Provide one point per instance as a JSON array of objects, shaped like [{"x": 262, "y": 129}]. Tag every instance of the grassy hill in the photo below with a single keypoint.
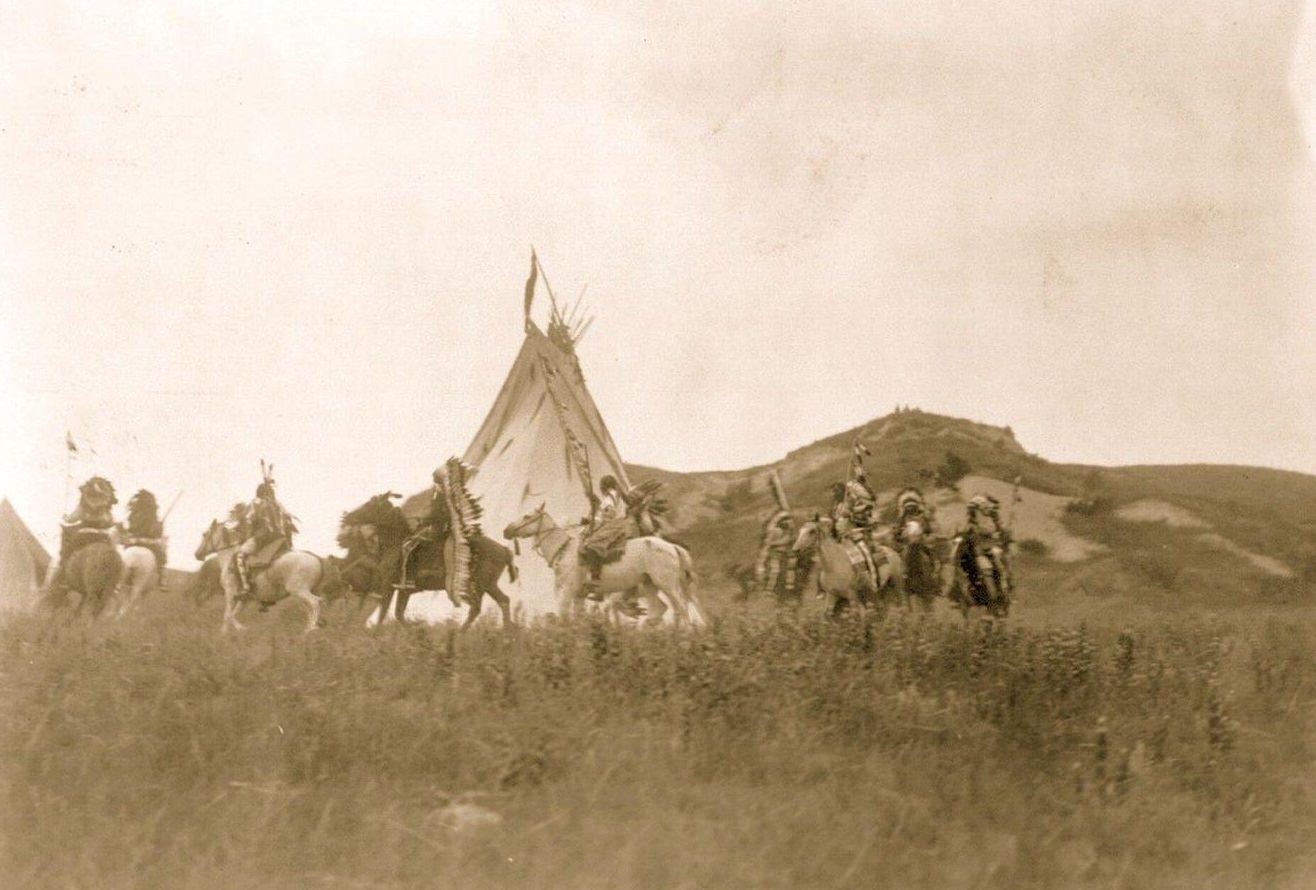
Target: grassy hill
[{"x": 1234, "y": 535}]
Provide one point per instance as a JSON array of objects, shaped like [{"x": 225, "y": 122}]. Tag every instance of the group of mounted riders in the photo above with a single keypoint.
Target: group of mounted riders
[
  {"x": 389, "y": 557},
  {"x": 97, "y": 553},
  {"x": 978, "y": 553}
]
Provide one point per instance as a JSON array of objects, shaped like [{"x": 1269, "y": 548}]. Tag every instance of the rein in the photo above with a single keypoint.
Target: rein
[{"x": 541, "y": 537}]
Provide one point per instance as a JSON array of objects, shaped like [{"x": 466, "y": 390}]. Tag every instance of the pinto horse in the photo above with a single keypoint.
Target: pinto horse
[
  {"x": 647, "y": 566},
  {"x": 427, "y": 567},
  {"x": 295, "y": 572}
]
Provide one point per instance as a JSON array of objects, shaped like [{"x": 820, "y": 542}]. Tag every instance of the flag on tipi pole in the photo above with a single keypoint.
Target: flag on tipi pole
[{"x": 530, "y": 284}]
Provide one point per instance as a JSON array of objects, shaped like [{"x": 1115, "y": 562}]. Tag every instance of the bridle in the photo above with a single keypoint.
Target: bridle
[{"x": 540, "y": 535}]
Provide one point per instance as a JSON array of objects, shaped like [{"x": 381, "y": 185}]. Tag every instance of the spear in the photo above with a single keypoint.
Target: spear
[
  {"x": 778, "y": 491},
  {"x": 1014, "y": 499},
  {"x": 172, "y": 505}
]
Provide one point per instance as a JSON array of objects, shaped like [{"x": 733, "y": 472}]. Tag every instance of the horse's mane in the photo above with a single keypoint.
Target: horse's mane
[{"x": 379, "y": 511}]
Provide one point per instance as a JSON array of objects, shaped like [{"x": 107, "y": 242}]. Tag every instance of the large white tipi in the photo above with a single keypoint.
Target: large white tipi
[
  {"x": 542, "y": 436},
  {"x": 23, "y": 561}
]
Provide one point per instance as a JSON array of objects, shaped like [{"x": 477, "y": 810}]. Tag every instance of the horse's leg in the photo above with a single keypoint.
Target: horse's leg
[
  {"x": 473, "y": 611},
  {"x": 230, "y": 619},
  {"x": 303, "y": 592},
  {"x": 656, "y": 608},
  {"x": 503, "y": 600},
  {"x": 232, "y": 603},
  {"x": 400, "y": 605}
]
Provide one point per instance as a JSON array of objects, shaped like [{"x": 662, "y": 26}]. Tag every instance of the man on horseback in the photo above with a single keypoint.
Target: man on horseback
[
  {"x": 910, "y": 507},
  {"x": 269, "y": 529},
  {"x": 90, "y": 521},
  {"x": 854, "y": 511},
  {"x": 776, "y": 553},
  {"x": 145, "y": 529},
  {"x": 995, "y": 541},
  {"x": 432, "y": 528}
]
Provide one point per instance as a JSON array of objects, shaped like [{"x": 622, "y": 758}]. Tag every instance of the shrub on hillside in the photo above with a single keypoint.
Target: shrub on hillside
[
  {"x": 953, "y": 469},
  {"x": 1089, "y": 506},
  {"x": 1034, "y": 547},
  {"x": 737, "y": 497}
]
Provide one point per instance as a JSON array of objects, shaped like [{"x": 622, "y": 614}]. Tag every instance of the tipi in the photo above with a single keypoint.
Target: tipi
[
  {"x": 23, "y": 561},
  {"x": 542, "y": 437}
]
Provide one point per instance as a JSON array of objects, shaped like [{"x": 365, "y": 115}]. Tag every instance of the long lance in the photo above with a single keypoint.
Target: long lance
[
  {"x": 1014, "y": 499},
  {"x": 779, "y": 491},
  {"x": 172, "y": 505}
]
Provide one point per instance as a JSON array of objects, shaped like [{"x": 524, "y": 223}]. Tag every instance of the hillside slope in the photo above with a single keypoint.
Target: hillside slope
[{"x": 1090, "y": 531}]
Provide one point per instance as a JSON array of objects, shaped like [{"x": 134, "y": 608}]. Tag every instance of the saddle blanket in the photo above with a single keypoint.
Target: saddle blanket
[
  {"x": 856, "y": 556},
  {"x": 267, "y": 554}
]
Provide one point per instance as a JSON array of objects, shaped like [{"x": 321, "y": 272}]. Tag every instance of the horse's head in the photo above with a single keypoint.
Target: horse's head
[
  {"x": 211, "y": 540},
  {"x": 807, "y": 536},
  {"x": 536, "y": 522},
  {"x": 380, "y": 512},
  {"x": 811, "y": 531}
]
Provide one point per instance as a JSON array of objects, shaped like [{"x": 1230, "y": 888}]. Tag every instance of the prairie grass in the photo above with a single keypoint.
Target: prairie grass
[{"x": 771, "y": 750}]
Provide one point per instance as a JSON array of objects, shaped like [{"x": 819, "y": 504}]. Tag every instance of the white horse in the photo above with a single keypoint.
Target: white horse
[
  {"x": 297, "y": 572},
  {"x": 140, "y": 575},
  {"x": 839, "y": 580},
  {"x": 647, "y": 566}
]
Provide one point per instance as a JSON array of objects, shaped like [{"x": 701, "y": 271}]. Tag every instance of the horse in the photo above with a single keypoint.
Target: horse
[
  {"x": 974, "y": 581},
  {"x": 360, "y": 568},
  {"x": 93, "y": 571},
  {"x": 297, "y": 572},
  {"x": 922, "y": 570},
  {"x": 428, "y": 563},
  {"x": 205, "y": 582},
  {"x": 140, "y": 575},
  {"x": 837, "y": 577},
  {"x": 647, "y": 566}
]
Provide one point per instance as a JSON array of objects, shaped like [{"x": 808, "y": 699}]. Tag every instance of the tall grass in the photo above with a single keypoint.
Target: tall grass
[{"x": 768, "y": 751}]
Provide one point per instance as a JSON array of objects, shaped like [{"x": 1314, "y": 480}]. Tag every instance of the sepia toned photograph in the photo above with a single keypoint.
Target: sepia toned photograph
[{"x": 657, "y": 446}]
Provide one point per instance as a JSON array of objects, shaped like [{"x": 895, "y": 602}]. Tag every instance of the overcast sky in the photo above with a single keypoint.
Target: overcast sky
[{"x": 230, "y": 232}]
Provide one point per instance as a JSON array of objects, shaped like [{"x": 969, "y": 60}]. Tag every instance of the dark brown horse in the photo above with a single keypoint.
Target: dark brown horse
[
  {"x": 92, "y": 571},
  {"x": 427, "y": 568}
]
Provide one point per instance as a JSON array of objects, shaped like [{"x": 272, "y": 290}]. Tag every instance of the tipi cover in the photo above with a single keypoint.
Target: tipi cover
[
  {"x": 523, "y": 457},
  {"x": 23, "y": 561}
]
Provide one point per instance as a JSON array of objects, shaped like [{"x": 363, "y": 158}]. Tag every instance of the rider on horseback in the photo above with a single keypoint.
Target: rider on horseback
[
  {"x": 995, "y": 541},
  {"x": 609, "y": 529},
  {"x": 267, "y": 523},
  {"x": 433, "y": 526},
  {"x": 853, "y": 515},
  {"x": 776, "y": 552},
  {"x": 910, "y": 507},
  {"x": 90, "y": 521},
  {"x": 144, "y": 529}
]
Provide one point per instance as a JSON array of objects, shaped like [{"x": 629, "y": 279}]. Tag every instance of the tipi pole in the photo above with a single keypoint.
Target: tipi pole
[
  {"x": 544, "y": 275},
  {"x": 69, "y": 448}
]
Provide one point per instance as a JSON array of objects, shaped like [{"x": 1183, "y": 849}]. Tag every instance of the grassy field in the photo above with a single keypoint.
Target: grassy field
[{"x": 772, "y": 750}]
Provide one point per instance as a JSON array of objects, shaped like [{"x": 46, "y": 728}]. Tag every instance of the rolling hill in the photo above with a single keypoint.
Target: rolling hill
[{"x": 1160, "y": 536}]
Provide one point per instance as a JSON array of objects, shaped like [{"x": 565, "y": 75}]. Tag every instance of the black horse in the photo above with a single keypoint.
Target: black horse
[
  {"x": 92, "y": 571},
  {"x": 377, "y": 554}
]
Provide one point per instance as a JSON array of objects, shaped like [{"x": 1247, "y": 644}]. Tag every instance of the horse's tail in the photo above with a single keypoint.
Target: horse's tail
[{"x": 694, "y": 611}]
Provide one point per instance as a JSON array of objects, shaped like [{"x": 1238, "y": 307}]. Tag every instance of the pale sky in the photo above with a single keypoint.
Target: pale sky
[{"x": 234, "y": 231}]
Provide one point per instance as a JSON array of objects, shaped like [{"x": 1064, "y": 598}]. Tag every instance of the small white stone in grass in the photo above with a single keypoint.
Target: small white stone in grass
[{"x": 466, "y": 817}]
